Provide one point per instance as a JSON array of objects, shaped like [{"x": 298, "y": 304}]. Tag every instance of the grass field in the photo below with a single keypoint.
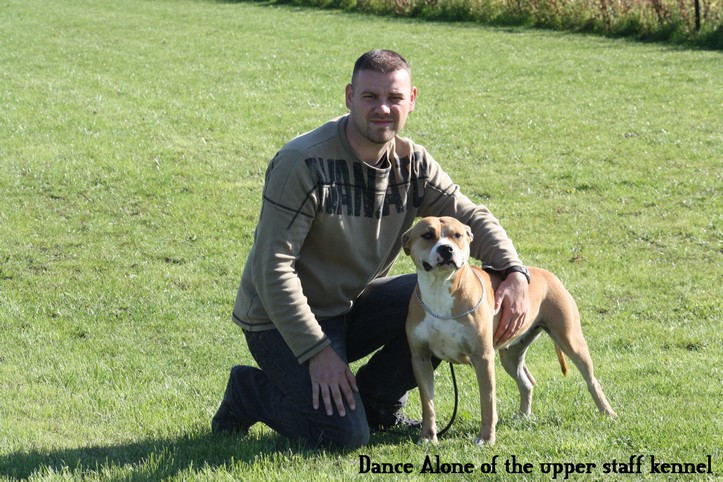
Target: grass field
[{"x": 133, "y": 141}]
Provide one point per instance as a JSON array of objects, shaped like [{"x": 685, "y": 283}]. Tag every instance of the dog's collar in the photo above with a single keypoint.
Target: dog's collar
[{"x": 452, "y": 317}]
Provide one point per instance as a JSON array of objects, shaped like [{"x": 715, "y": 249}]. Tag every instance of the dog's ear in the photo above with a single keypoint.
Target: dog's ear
[
  {"x": 406, "y": 245},
  {"x": 469, "y": 233}
]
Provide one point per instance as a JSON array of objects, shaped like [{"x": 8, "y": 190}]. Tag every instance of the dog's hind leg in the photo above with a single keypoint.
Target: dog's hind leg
[
  {"x": 573, "y": 344},
  {"x": 513, "y": 361}
]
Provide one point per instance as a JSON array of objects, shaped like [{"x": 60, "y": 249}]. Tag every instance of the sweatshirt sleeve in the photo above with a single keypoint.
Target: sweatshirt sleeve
[
  {"x": 442, "y": 197},
  {"x": 288, "y": 209}
]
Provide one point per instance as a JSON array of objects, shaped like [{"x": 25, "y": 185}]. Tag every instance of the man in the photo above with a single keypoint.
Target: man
[{"x": 315, "y": 295}]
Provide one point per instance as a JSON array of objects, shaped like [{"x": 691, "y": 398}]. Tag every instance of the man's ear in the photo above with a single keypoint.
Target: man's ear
[
  {"x": 413, "y": 99},
  {"x": 348, "y": 95}
]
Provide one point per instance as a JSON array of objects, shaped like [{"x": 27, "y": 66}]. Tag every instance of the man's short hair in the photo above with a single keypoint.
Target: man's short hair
[{"x": 381, "y": 61}]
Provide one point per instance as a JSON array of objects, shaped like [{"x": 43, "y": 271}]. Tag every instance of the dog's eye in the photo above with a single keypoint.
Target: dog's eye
[
  {"x": 427, "y": 235},
  {"x": 457, "y": 235}
]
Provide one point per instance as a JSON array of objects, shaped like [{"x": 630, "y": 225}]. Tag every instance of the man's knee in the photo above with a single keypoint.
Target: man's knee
[
  {"x": 352, "y": 436},
  {"x": 348, "y": 433}
]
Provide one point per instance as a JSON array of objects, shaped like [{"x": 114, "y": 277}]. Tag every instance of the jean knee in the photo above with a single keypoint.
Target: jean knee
[
  {"x": 353, "y": 435},
  {"x": 347, "y": 433}
]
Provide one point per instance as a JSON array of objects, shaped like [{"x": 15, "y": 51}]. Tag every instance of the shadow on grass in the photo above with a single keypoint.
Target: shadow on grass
[
  {"x": 155, "y": 459},
  {"x": 158, "y": 459}
]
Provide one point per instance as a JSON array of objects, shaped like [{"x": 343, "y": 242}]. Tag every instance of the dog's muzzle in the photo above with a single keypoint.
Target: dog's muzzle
[{"x": 443, "y": 255}]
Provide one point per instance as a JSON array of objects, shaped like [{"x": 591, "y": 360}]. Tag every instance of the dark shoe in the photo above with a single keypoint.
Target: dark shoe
[
  {"x": 218, "y": 428},
  {"x": 226, "y": 422},
  {"x": 231, "y": 416},
  {"x": 397, "y": 421}
]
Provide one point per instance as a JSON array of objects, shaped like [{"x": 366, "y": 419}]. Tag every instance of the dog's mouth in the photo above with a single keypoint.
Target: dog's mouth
[{"x": 446, "y": 262}]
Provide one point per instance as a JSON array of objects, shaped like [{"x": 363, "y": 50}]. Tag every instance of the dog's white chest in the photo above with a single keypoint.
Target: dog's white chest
[{"x": 447, "y": 339}]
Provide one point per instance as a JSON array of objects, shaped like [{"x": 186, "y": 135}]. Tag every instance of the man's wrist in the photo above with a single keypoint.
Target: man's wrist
[
  {"x": 518, "y": 269},
  {"x": 309, "y": 354}
]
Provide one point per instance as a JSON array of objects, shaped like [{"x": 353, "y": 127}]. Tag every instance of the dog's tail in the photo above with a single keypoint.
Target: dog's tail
[{"x": 561, "y": 359}]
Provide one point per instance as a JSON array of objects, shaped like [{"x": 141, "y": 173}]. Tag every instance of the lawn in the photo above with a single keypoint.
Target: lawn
[{"x": 134, "y": 136}]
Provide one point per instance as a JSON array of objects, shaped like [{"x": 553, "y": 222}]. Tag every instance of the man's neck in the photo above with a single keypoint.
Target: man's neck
[{"x": 369, "y": 152}]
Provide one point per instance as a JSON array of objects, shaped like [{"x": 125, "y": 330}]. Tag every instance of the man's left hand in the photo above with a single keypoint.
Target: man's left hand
[{"x": 511, "y": 298}]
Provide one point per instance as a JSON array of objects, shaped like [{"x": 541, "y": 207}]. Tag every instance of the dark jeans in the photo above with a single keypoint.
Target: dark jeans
[{"x": 279, "y": 393}]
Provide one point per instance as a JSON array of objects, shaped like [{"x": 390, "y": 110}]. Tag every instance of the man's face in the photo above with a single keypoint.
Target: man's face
[{"x": 379, "y": 104}]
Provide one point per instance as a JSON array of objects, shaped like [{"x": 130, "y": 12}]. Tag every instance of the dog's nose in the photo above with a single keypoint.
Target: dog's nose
[{"x": 445, "y": 251}]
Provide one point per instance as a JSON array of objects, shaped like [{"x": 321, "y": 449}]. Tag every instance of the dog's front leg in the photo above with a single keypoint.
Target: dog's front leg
[
  {"x": 424, "y": 374},
  {"x": 484, "y": 367}
]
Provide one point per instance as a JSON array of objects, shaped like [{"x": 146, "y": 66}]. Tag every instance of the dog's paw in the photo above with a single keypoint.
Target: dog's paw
[
  {"x": 526, "y": 415},
  {"x": 480, "y": 442},
  {"x": 428, "y": 440}
]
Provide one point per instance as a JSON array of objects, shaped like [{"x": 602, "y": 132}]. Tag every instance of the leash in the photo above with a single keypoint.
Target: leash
[{"x": 456, "y": 400}]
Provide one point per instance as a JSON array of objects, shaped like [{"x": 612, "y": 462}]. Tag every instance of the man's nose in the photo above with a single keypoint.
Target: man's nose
[{"x": 383, "y": 107}]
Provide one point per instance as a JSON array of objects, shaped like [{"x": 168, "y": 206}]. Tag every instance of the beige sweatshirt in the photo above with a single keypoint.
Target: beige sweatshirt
[{"x": 330, "y": 224}]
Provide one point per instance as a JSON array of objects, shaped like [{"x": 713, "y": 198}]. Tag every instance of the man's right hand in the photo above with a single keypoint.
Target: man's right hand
[{"x": 333, "y": 379}]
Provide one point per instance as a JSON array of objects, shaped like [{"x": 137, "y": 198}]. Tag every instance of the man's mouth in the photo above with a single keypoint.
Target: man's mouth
[{"x": 382, "y": 121}]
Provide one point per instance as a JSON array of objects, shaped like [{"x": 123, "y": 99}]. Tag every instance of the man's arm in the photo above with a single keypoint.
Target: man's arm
[
  {"x": 286, "y": 217},
  {"x": 284, "y": 223}
]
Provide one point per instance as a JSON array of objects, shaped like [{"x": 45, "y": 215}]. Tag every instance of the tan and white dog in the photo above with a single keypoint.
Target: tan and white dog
[{"x": 451, "y": 317}]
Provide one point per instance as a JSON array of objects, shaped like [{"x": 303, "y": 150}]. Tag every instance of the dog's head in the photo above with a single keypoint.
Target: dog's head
[{"x": 438, "y": 244}]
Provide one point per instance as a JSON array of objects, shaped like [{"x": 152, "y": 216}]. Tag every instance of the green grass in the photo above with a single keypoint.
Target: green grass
[{"x": 133, "y": 141}]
